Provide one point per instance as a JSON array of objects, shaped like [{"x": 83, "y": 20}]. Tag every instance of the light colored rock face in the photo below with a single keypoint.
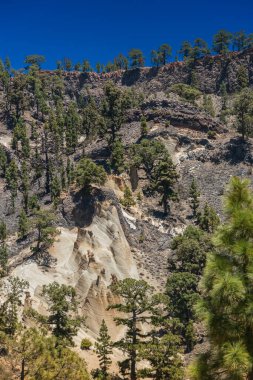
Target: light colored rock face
[{"x": 88, "y": 259}]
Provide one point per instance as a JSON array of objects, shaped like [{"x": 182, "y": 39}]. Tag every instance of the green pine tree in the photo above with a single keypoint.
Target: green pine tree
[
  {"x": 88, "y": 173},
  {"x": 221, "y": 42},
  {"x": 137, "y": 305},
  {"x": 11, "y": 177},
  {"x": 164, "y": 179},
  {"x": 46, "y": 231},
  {"x": 185, "y": 266},
  {"x": 226, "y": 289},
  {"x": 23, "y": 225},
  {"x": 194, "y": 195},
  {"x": 128, "y": 200},
  {"x": 3, "y": 231},
  {"x": 3, "y": 161},
  {"x": 3, "y": 260},
  {"x": 243, "y": 109},
  {"x": 208, "y": 105},
  {"x": 104, "y": 350},
  {"x": 55, "y": 189},
  {"x": 62, "y": 308},
  {"x": 208, "y": 220},
  {"x": 242, "y": 77},
  {"x": 25, "y": 183},
  {"x": 117, "y": 161},
  {"x": 144, "y": 127},
  {"x": 114, "y": 106},
  {"x": 163, "y": 352},
  {"x": 12, "y": 293}
]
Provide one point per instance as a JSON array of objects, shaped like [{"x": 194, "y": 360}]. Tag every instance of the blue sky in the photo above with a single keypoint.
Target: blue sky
[{"x": 99, "y": 30}]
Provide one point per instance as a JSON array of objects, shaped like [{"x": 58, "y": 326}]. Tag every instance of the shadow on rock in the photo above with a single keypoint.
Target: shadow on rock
[
  {"x": 79, "y": 208},
  {"x": 235, "y": 151},
  {"x": 131, "y": 76}
]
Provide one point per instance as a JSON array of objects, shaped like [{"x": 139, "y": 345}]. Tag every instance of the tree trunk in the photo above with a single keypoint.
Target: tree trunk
[
  {"x": 22, "y": 374},
  {"x": 47, "y": 186},
  {"x": 250, "y": 375},
  {"x": 133, "y": 351},
  {"x": 165, "y": 205},
  {"x": 133, "y": 365}
]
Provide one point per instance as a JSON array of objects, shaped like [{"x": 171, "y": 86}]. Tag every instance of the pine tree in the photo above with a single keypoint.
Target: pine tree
[
  {"x": 63, "y": 177},
  {"x": 62, "y": 308},
  {"x": 77, "y": 66},
  {"x": 55, "y": 189},
  {"x": 136, "y": 57},
  {"x": 11, "y": 177},
  {"x": 47, "y": 160},
  {"x": 164, "y": 53},
  {"x": 104, "y": 349},
  {"x": 90, "y": 118},
  {"x": 67, "y": 64},
  {"x": 224, "y": 95},
  {"x": 33, "y": 204},
  {"x": 200, "y": 49},
  {"x": 25, "y": 144},
  {"x": 31, "y": 354},
  {"x": 12, "y": 292},
  {"x": 221, "y": 42},
  {"x": 242, "y": 77},
  {"x": 86, "y": 67},
  {"x": 3, "y": 231},
  {"x": 138, "y": 304},
  {"x": 70, "y": 172},
  {"x": 117, "y": 161},
  {"x": 128, "y": 199},
  {"x": 35, "y": 59},
  {"x": 208, "y": 105},
  {"x": 25, "y": 185},
  {"x": 144, "y": 127},
  {"x": 3, "y": 260},
  {"x": 163, "y": 352},
  {"x": 249, "y": 41},
  {"x": 3, "y": 161},
  {"x": 98, "y": 67},
  {"x": 243, "y": 108},
  {"x": 208, "y": 220},
  {"x": 88, "y": 174},
  {"x": 186, "y": 50},
  {"x": 194, "y": 198},
  {"x": 155, "y": 58},
  {"x": 113, "y": 112},
  {"x": 185, "y": 266},
  {"x": 55, "y": 133},
  {"x": 164, "y": 179},
  {"x": 72, "y": 128},
  {"x": 23, "y": 225},
  {"x": 44, "y": 225},
  {"x": 121, "y": 62},
  {"x": 239, "y": 40},
  {"x": 147, "y": 154},
  {"x": 226, "y": 287}
]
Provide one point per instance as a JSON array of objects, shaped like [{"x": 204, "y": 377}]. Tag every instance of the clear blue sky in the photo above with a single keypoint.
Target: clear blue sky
[{"x": 99, "y": 30}]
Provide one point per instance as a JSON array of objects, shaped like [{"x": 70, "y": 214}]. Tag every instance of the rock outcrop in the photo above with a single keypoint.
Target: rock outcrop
[
  {"x": 209, "y": 72},
  {"x": 89, "y": 259}
]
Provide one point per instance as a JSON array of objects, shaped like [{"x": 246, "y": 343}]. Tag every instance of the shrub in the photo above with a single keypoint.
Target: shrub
[
  {"x": 88, "y": 173},
  {"x": 127, "y": 200},
  {"x": 211, "y": 135},
  {"x": 186, "y": 92},
  {"x": 85, "y": 344}
]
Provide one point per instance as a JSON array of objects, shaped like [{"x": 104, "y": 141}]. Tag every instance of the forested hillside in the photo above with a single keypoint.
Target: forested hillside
[{"x": 126, "y": 215}]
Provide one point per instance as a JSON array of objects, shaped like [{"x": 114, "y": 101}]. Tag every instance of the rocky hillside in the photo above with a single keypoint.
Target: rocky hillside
[{"x": 100, "y": 239}]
